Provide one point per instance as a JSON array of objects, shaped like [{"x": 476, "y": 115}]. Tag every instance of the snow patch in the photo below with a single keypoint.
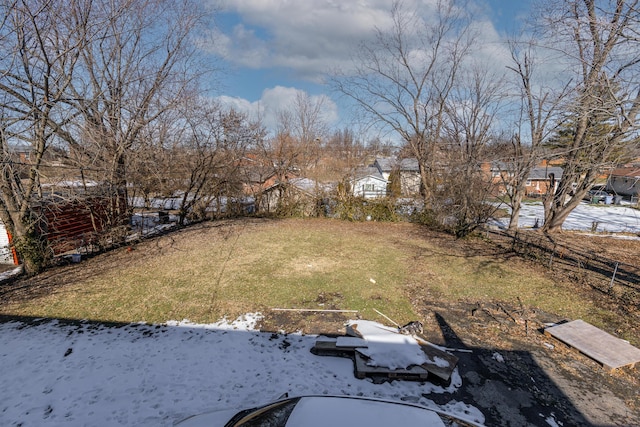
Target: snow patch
[
  {"x": 86, "y": 373},
  {"x": 386, "y": 347}
]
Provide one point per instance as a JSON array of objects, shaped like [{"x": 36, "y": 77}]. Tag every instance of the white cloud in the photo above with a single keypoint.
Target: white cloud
[
  {"x": 313, "y": 37},
  {"x": 276, "y": 99},
  {"x": 309, "y": 37}
]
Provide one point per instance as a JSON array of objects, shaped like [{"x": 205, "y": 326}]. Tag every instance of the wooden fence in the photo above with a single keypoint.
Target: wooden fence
[{"x": 614, "y": 278}]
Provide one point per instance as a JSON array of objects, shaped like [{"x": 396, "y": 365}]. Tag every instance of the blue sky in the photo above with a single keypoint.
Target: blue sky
[{"x": 274, "y": 48}]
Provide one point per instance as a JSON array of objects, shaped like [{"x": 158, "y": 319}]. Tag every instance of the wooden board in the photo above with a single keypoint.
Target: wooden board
[
  {"x": 604, "y": 348},
  {"x": 437, "y": 357},
  {"x": 415, "y": 373},
  {"x": 335, "y": 347},
  {"x": 350, "y": 342},
  {"x": 325, "y": 346}
]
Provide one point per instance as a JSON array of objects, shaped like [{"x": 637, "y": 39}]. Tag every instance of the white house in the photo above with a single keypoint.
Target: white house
[{"x": 369, "y": 183}]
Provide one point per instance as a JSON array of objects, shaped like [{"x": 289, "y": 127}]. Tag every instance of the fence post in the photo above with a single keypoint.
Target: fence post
[
  {"x": 551, "y": 257},
  {"x": 613, "y": 277}
]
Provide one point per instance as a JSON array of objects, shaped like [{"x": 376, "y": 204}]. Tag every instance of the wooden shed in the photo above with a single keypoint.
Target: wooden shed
[{"x": 70, "y": 224}]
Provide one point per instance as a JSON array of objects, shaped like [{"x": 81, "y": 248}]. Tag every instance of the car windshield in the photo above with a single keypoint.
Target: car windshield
[{"x": 273, "y": 415}]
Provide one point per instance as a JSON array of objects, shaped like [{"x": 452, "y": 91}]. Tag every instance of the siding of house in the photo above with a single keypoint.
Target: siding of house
[
  {"x": 538, "y": 182},
  {"x": 625, "y": 181},
  {"x": 72, "y": 224},
  {"x": 369, "y": 187},
  {"x": 408, "y": 171}
]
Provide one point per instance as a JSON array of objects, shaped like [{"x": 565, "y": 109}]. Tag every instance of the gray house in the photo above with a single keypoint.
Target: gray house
[
  {"x": 625, "y": 181},
  {"x": 407, "y": 169}
]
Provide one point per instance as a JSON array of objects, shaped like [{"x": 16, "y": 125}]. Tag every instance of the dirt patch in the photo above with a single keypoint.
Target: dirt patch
[{"x": 510, "y": 370}]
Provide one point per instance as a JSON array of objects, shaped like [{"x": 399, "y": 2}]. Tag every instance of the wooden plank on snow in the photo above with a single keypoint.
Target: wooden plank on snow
[
  {"x": 362, "y": 370},
  {"x": 326, "y": 346},
  {"x": 440, "y": 363},
  {"x": 607, "y": 350}
]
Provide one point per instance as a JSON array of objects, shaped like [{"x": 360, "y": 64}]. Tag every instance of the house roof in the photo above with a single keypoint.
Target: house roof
[
  {"x": 627, "y": 172},
  {"x": 388, "y": 164},
  {"x": 305, "y": 185},
  {"x": 544, "y": 172},
  {"x": 368, "y": 171},
  {"x": 20, "y": 147},
  {"x": 310, "y": 186},
  {"x": 497, "y": 165}
]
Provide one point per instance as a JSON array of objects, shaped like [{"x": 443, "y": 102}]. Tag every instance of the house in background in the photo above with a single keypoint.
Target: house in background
[
  {"x": 542, "y": 178},
  {"x": 499, "y": 173},
  {"x": 76, "y": 220},
  {"x": 625, "y": 181},
  {"x": 257, "y": 178},
  {"x": 406, "y": 169},
  {"x": 369, "y": 183},
  {"x": 21, "y": 152},
  {"x": 539, "y": 180},
  {"x": 302, "y": 195}
]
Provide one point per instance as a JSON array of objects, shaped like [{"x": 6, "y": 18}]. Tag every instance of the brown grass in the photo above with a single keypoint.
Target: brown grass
[{"x": 228, "y": 268}]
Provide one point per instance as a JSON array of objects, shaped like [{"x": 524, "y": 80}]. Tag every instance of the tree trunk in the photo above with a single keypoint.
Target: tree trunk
[
  {"x": 30, "y": 246},
  {"x": 514, "y": 217},
  {"x": 558, "y": 214}
]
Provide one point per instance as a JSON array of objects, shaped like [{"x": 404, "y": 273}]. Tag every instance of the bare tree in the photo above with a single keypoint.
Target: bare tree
[
  {"x": 86, "y": 77},
  {"x": 304, "y": 122},
  {"x": 599, "y": 40},
  {"x": 196, "y": 154},
  {"x": 462, "y": 198},
  {"x": 36, "y": 48},
  {"x": 295, "y": 148},
  {"x": 403, "y": 79},
  {"x": 343, "y": 152},
  {"x": 136, "y": 65},
  {"x": 536, "y": 118},
  {"x": 215, "y": 142}
]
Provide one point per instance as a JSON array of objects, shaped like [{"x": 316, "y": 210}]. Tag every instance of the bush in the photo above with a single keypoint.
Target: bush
[
  {"x": 360, "y": 209},
  {"x": 426, "y": 217}
]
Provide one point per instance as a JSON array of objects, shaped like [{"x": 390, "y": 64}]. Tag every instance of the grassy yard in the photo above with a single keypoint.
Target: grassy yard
[{"x": 221, "y": 269}]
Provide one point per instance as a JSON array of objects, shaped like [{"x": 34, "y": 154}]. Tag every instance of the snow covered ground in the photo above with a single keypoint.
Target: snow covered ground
[
  {"x": 605, "y": 218},
  {"x": 91, "y": 374}
]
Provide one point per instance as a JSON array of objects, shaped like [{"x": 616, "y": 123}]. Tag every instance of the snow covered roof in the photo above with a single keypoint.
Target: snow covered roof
[
  {"x": 72, "y": 183},
  {"x": 305, "y": 184}
]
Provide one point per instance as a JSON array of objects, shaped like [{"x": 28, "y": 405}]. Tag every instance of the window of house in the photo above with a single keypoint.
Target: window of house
[{"x": 369, "y": 187}]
